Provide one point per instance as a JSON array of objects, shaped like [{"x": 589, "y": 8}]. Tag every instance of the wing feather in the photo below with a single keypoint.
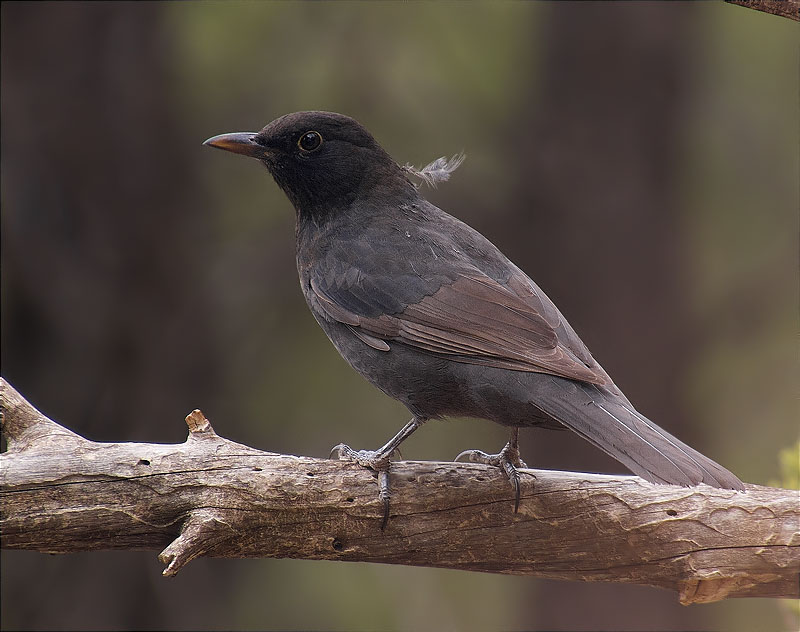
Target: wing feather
[{"x": 474, "y": 320}]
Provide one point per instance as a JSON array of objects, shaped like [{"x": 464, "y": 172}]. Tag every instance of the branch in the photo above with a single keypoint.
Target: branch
[
  {"x": 784, "y": 8},
  {"x": 210, "y": 496}
]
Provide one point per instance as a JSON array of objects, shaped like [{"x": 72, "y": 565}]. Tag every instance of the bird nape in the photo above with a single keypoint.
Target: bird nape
[{"x": 433, "y": 314}]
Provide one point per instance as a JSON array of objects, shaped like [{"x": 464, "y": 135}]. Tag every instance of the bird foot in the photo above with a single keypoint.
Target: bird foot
[
  {"x": 378, "y": 460},
  {"x": 508, "y": 460},
  {"x": 372, "y": 460}
]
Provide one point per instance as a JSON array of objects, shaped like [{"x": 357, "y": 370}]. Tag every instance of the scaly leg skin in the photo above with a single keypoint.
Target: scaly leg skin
[
  {"x": 508, "y": 460},
  {"x": 378, "y": 460}
]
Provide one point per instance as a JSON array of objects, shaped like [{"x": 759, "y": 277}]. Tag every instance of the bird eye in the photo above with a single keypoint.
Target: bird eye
[{"x": 310, "y": 141}]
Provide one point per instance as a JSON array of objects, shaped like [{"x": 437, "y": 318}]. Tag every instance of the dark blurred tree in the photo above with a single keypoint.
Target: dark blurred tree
[
  {"x": 597, "y": 221},
  {"x": 105, "y": 320},
  {"x": 102, "y": 222}
]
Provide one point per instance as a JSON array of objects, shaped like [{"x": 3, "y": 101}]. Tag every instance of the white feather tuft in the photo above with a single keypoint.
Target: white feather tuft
[{"x": 437, "y": 171}]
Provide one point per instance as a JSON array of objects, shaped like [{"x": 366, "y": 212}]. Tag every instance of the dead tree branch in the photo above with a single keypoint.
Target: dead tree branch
[
  {"x": 784, "y": 8},
  {"x": 210, "y": 496}
]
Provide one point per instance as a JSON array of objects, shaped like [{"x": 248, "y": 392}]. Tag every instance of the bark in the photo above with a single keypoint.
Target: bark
[
  {"x": 210, "y": 496},
  {"x": 784, "y": 8}
]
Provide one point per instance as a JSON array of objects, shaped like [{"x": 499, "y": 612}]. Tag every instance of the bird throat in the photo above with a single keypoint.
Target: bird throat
[{"x": 318, "y": 197}]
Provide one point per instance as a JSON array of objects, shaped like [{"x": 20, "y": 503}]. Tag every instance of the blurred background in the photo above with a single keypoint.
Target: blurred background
[{"x": 639, "y": 161}]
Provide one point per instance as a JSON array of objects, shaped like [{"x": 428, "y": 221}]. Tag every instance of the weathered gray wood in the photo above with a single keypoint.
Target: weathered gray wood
[{"x": 210, "y": 496}]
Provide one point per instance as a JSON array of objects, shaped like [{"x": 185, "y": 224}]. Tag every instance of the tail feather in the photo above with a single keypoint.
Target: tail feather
[{"x": 609, "y": 422}]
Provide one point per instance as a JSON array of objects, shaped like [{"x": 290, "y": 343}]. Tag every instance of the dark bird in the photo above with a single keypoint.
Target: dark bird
[{"x": 433, "y": 314}]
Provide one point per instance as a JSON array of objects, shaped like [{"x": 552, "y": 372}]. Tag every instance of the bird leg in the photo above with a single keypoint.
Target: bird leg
[
  {"x": 508, "y": 460},
  {"x": 378, "y": 460}
]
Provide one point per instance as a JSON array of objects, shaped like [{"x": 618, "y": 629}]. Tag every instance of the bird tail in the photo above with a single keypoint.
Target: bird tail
[{"x": 611, "y": 423}]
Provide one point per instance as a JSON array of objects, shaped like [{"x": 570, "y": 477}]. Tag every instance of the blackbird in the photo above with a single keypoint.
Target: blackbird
[{"x": 433, "y": 314}]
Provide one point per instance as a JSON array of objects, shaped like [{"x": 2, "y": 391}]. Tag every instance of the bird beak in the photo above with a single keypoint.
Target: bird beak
[{"x": 239, "y": 143}]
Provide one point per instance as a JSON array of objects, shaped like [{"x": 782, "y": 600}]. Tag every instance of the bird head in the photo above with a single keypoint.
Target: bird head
[{"x": 323, "y": 161}]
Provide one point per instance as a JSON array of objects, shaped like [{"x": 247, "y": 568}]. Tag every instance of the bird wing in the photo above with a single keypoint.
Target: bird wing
[{"x": 468, "y": 317}]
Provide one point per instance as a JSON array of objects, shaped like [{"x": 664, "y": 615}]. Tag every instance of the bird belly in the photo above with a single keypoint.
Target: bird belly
[{"x": 433, "y": 386}]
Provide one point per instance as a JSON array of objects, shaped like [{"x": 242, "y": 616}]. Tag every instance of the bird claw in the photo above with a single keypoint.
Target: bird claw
[
  {"x": 479, "y": 456},
  {"x": 384, "y": 495},
  {"x": 371, "y": 460},
  {"x": 508, "y": 460},
  {"x": 378, "y": 460}
]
